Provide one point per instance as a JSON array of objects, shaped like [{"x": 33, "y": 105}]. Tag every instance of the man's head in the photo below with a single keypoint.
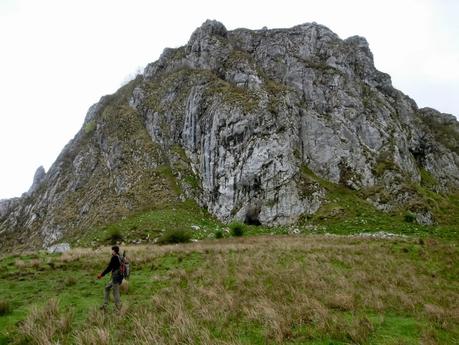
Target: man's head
[{"x": 115, "y": 250}]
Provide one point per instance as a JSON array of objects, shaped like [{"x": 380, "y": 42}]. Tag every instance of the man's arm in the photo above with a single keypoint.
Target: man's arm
[{"x": 109, "y": 267}]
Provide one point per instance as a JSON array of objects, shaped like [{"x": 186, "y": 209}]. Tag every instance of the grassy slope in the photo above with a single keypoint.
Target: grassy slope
[
  {"x": 344, "y": 212},
  {"x": 149, "y": 225},
  {"x": 251, "y": 290}
]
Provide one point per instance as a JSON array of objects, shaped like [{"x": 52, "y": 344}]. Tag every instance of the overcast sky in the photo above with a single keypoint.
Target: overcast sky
[{"x": 58, "y": 57}]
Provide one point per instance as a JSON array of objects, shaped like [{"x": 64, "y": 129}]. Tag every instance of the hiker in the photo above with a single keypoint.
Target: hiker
[{"x": 117, "y": 278}]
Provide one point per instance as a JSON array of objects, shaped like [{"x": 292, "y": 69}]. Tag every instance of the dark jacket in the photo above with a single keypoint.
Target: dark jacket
[{"x": 114, "y": 268}]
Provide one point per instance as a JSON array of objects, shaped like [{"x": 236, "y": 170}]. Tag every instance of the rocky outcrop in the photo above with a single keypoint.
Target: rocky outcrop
[
  {"x": 59, "y": 248},
  {"x": 6, "y": 205},
  {"x": 37, "y": 180},
  {"x": 264, "y": 103},
  {"x": 243, "y": 114}
]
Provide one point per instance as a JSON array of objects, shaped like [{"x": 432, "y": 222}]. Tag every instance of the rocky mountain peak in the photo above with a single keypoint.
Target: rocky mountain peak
[
  {"x": 247, "y": 123},
  {"x": 208, "y": 28}
]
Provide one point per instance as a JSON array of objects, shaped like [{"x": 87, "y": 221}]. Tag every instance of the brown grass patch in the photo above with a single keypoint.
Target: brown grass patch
[{"x": 42, "y": 325}]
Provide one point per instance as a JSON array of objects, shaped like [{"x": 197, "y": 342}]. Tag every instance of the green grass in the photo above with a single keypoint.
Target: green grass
[
  {"x": 398, "y": 329},
  {"x": 150, "y": 225},
  {"x": 249, "y": 290},
  {"x": 23, "y": 285}
]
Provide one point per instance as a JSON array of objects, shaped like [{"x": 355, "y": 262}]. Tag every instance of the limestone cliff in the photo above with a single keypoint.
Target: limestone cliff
[{"x": 232, "y": 119}]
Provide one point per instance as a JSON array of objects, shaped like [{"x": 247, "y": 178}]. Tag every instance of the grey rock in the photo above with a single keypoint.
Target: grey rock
[
  {"x": 383, "y": 235},
  {"x": 59, "y": 248},
  {"x": 425, "y": 217}
]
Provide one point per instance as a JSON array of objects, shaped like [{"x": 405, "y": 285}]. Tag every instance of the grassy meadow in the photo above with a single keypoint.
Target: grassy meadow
[
  {"x": 283, "y": 289},
  {"x": 325, "y": 280}
]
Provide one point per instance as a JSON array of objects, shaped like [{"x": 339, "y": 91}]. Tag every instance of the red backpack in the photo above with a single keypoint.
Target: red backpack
[{"x": 124, "y": 266}]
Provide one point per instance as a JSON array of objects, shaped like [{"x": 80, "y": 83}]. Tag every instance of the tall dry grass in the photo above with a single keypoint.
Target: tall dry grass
[
  {"x": 289, "y": 283},
  {"x": 46, "y": 325},
  {"x": 281, "y": 288}
]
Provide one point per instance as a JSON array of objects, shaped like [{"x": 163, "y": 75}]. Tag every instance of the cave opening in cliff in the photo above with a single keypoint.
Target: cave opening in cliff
[{"x": 252, "y": 216}]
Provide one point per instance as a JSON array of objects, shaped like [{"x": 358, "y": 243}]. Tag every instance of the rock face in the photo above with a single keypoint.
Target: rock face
[{"x": 236, "y": 120}]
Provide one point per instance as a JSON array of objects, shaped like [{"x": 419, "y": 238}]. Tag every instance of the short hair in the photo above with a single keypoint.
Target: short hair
[{"x": 116, "y": 249}]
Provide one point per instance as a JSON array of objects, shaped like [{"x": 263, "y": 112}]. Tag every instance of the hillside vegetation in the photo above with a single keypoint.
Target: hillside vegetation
[{"x": 251, "y": 290}]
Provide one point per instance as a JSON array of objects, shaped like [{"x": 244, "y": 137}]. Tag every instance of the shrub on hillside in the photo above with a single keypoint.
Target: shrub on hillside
[
  {"x": 174, "y": 236},
  {"x": 219, "y": 234},
  {"x": 410, "y": 217},
  {"x": 5, "y": 307},
  {"x": 114, "y": 236},
  {"x": 236, "y": 229}
]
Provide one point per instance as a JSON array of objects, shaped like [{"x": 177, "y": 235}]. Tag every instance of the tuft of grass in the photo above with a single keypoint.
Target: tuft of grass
[
  {"x": 5, "y": 307},
  {"x": 45, "y": 324},
  {"x": 219, "y": 234},
  {"x": 70, "y": 281},
  {"x": 427, "y": 179},
  {"x": 175, "y": 236},
  {"x": 89, "y": 127},
  {"x": 20, "y": 264}
]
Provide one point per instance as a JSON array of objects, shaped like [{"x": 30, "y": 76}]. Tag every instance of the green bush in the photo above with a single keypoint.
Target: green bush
[
  {"x": 175, "y": 236},
  {"x": 410, "y": 217},
  {"x": 5, "y": 307},
  {"x": 237, "y": 229},
  {"x": 114, "y": 236},
  {"x": 218, "y": 234}
]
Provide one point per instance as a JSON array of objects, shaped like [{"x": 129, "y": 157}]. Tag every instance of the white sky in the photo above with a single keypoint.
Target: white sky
[{"x": 58, "y": 57}]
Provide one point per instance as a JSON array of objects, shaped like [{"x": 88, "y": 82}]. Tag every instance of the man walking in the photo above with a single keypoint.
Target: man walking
[{"x": 117, "y": 278}]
